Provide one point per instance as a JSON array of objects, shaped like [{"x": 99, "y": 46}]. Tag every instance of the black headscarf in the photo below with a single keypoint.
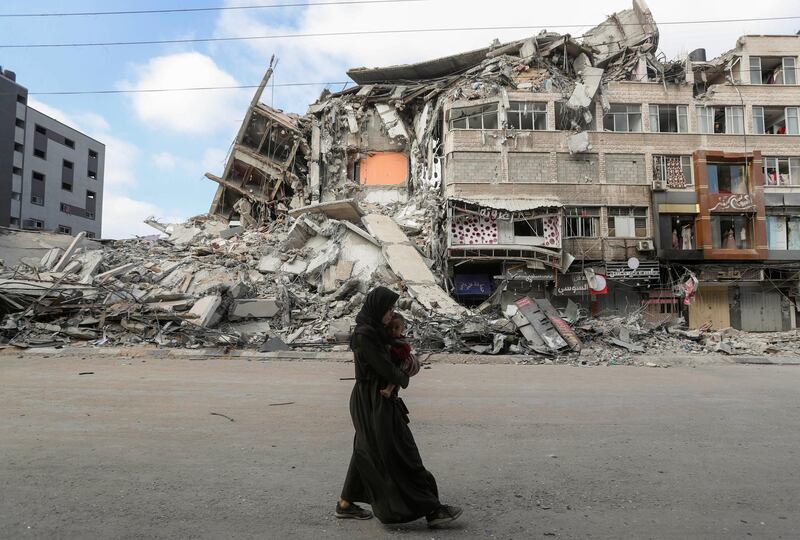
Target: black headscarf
[{"x": 369, "y": 320}]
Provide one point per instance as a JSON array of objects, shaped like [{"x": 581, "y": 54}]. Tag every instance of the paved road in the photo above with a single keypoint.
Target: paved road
[{"x": 133, "y": 451}]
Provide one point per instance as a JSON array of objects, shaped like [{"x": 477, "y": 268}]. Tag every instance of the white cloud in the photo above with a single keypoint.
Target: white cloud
[
  {"x": 327, "y": 58},
  {"x": 122, "y": 215},
  {"x": 193, "y": 112},
  {"x": 165, "y": 161},
  {"x": 214, "y": 160}
]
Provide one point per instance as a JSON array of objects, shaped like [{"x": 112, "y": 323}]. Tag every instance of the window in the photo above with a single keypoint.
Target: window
[
  {"x": 529, "y": 227},
  {"x": 91, "y": 171},
  {"x": 39, "y": 153},
  {"x": 682, "y": 233},
  {"x": 731, "y": 232},
  {"x": 705, "y": 119},
  {"x": 569, "y": 120},
  {"x": 16, "y": 170},
  {"x": 67, "y": 164},
  {"x": 734, "y": 120},
  {"x": 669, "y": 118},
  {"x": 33, "y": 224},
  {"x": 90, "y": 195},
  {"x": 782, "y": 171},
  {"x": 63, "y": 229},
  {"x": 775, "y": 120},
  {"x": 783, "y": 232},
  {"x": 92, "y": 154},
  {"x": 38, "y": 176},
  {"x": 40, "y": 129},
  {"x": 773, "y": 70},
  {"x": 20, "y": 123},
  {"x": 66, "y": 186},
  {"x": 21, "y": 99},
  {"x": 623, "y": 118},
  {"x": 727, "y": 178},
  {"x": 527, "y": 115},
  {"x": 478, "y": 117},
  {"x": 90, "y": 234},
  {"x": 673, "y": 171},
  {"x": 627, "y": 222},
  {"x": 18, "y": 147},
  {"x": 69, "y": 143},
  {"x": 16, "y": 196},
  {"x": 581, "y": 222},
  {"x": 89, "y": 215},
  {"x": 15, "y": 222}
]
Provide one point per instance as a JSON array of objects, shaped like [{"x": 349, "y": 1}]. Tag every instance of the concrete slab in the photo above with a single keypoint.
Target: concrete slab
[
  {"x": 204, "y": 310},
  {"x": 253, "y": 308}
]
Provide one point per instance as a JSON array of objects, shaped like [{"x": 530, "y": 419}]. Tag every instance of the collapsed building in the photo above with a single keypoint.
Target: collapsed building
[
  {"x": 512, "y": 192},
  {"x": 590, "y": 169}
]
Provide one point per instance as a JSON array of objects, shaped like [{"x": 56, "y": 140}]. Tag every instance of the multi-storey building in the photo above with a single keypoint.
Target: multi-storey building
[
  {"x": 51, "y": 175},
  {"x": 572, "y": 169}
]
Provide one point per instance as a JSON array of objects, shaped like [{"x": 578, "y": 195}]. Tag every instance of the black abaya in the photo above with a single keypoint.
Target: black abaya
[{"x": 386, "y": 470}]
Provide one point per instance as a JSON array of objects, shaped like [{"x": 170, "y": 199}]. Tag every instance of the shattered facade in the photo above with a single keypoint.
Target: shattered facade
[
  {"x": 555, "y": 195},
  {"x": 586, "y": 168}
]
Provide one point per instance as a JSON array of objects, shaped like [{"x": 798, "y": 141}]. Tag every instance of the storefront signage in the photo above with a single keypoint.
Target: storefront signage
[
  {"x": 646, "y": 271},
  {"x": 572, "y": 284},
  {"x": 507, "y": 215},
  {"x": 740, "y": 202},
  {"x": 528, "y": 277},
  {"x": 473, "y": 285}
]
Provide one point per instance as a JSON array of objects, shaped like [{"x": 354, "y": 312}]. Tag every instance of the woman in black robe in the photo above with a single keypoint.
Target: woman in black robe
[{"x": 386, "y": 470}]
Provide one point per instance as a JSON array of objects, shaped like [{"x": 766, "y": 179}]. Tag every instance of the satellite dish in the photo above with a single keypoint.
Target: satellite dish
[
  {"x": 599, "y": 283},
  {"x": 633, "y": 263}
]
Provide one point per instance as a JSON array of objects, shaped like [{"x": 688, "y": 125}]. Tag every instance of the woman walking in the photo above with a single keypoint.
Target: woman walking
[{"x": 386, "y": 470}]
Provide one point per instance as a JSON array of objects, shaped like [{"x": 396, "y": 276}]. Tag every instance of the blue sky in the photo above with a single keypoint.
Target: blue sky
[{"x": 160, "y": 145}]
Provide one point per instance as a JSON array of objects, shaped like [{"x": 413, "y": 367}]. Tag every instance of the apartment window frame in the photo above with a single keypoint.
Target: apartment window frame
[
  {"x": 35, "y": 224},
  {"x": 582, "y": 222},
  {"x": 63, "y": 229},
  {"x": 680, "y": 112},
  {"x": 781, "y": 171},
  {"x": 791, "y": 232},
  {"x": 40, "y": 129},
  {"x": 90, "y": 234},
  {"x": 705, "y": 119},
  {"x": 788, "y": 74},
  {"x": 19, "y": 122},
  {"x": 636, "y": 221},
  {"x": 734, "y": 120},
  {"x": 619, "y": 120},
  {"x": 738, "y": 185},
  {"x": 660, "y": 172},
  {"x": 527, "y": 115},
  {"x": 69, "y": 143},
  {"x": 475, "y": 117},
  {"x": 791, "y": 120}
]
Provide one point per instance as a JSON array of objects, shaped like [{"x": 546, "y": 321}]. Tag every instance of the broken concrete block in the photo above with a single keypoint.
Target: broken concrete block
[
  {"x": 69, "y": 253},
  {"x": 204, "y": 310},
  {"x": 296, "y": 267},
  {"x": 392, "y": 121},
  {"x": 231, "y": 232},
  {"x": 51, "y": 258},
  {"x": 579, "y": 142},
  {"x": 273, "y": 344},
  {"x": 269, "y": 264},
  {"x": 298, "y": 235},
  {"x": 527, "y": 50},
  {"x": 250, "y": 328},
  {"x": 339, "y": 330},
  {"x": 253, "y": 308}
]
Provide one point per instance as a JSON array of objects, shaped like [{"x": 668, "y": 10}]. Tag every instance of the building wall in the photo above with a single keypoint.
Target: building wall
[
  {"x": 12, "y": 108},
  {"x": 77, "y": 215}
]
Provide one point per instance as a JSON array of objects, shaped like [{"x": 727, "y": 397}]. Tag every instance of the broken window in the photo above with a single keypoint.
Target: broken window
[
  {"x": 720, "y": 119},
  {"x": 672, "y": 171},
  {"x": 90, "y": 234},
  {"x": 570, "y": 120},
  {"x": 669, "y": 118},
  {"x": 278, "y": 145},
  {"x": 727, "y": 178},
  {"x": 529, "y": 227},
  {"x": 63, "y": 229},
  {"x": 731, "y": 232},
  {"x": 627, "y": 222},
  {"x": 783, "y": 232},
  {"x": 527, "y": 115},
  {"x": 623, "y": 118},
  {"x": 581, "y": 222},
  {"x": 33, "y": 224},
  {"x": 782, "y": 171},
  {"x": 773, "y": 70},
  {"x": 775, "y": 120},
  {"x": 478, "y": 117},
  {"x": 91, "y": 169}
]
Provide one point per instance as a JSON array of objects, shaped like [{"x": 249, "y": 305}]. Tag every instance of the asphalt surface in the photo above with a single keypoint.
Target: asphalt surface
[{"x": 132, "y": 450}]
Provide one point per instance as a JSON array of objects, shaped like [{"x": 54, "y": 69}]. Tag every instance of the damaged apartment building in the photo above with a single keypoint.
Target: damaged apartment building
[{"x": 585, "y": 168}]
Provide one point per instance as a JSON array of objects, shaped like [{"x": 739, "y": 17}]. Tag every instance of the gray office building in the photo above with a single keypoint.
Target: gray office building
[{"x": 51, "y": 175}]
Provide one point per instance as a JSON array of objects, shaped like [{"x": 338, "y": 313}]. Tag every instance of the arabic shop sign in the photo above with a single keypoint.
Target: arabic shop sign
[
  {"x": 572, "y": 284},
  {"x": 647, "y": 271},
  {"x": 473, "y": 285}
]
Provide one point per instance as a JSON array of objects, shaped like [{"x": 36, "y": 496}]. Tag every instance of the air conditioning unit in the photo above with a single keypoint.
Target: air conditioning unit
[
  {"x": 659, "y": 185},
  {"x": 645, "y": 245}
]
